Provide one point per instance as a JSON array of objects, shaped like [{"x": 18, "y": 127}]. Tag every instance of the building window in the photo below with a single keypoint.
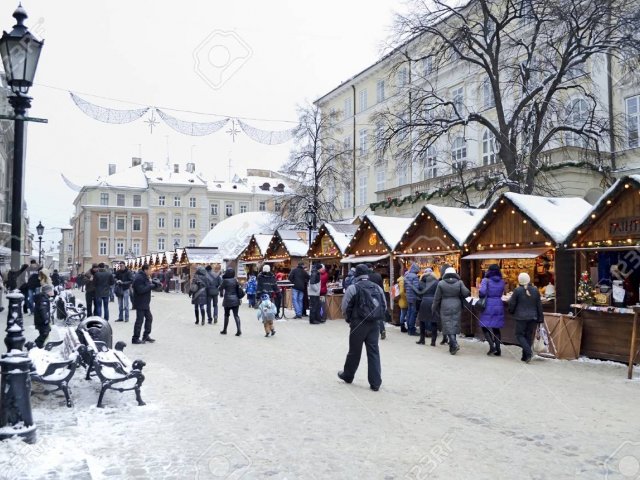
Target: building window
[
  {"x": 402, "y": 77},
  {"x": 244, "y": 208},
  {"x": 103, "y": 223},
  {"x": 102, "y": 248},
  {"x": 176, "y": 201},
  {"x": 346, "y": 195},
  {"x": 119, "y": 248},
  {"x": 380, "y": 91},
  {"x": 332, "y": 191},
  {"x": 403, "y": 174},
  {"x": 577, "y": 116},
  {"x": 458, "y": 99},
  {"x": 192, "y": 242},
  {"x": 161, "y": 244},
  {"x": 431, "y": 162},
  {"x": 136, "y": 248},
  {"x": 347, "y": 107},
  {"x": 137, "y": 200},
  {"x": 214, "y": 209},
  {"x": 458, "y": 154},
  {"x": 262, "y": 206},
  {"x": 427, "y": 66},
  {"x": 362, "y": 189},
  {"x": 120, "y": 200},
  {"x": 488, "y": 98},
  {"x": 212, "y": 225},
  {"x": 176, "y": 222},
  {"x": 363, "y": 100},
  {"x": 633, "y": 121},
  {"x": 120, "y": 223},
  {"x": 277, "y": 206},
  {"x": 488, "y": 148},
  {"x": 104, "y": 199},
  {"x": 363, "y": 141},
  {"x": 402, "y": 127},
  {"x": 192, "y": 202},
  {"x": 160, "y": 222},
  {"x": 69, "y": 248},
  {"x": 136, "y": 224},
  {"x": 347, "y": 144},
  {"x": 161, "y": 201},
  {"x": 380, "y": 177},
  {"x": 176, "y": 241},
  {"x": 192, "y": 223},
  {"x": 228, "y": 209}
]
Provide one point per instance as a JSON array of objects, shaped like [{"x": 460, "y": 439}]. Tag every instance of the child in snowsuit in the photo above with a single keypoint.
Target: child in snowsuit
[
  {"x": 267, "y": 314},
  {"x": 252, "y": 285},
  {"x": 42, "y": 314}
]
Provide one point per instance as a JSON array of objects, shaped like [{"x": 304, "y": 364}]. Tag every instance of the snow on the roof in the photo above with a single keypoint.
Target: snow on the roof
[
  {"x": 263, "y": 242},
  {"x": 459, "y": 222},
  {"x": 557, "y": 216},
  {"x": 254, "y": 181},
  {"x": 391, "y": 228},
  {"x": 228, "y": 187},
  {"x": 169, "y": 177},
  {"x": 203, "y": 255},
  {"x": 132, "y": 177},
  {"x": 341, "y": 234},
  {"x": 296, "y": 248},
  {"x": 232, "y": 235},
  {"x": 289, "y": 234}
]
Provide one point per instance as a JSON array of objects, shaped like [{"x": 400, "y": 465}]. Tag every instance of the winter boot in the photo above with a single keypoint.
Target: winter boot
[
  {"x": 224, "y": 329},
  {"x": 489, "y": 338},
  {"x": 238, "y": 332},
  {"x": 444, "y": 340},
  {"x": 498, "y": 340},
  {"x": 453, "y": 345},
  {"x": 422, "y": 334}
]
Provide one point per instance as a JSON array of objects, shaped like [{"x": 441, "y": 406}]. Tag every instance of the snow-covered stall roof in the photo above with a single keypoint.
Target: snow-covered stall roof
[
  {"x": 296, "y": 248},
  {"x": 203, "y": 255},
  {"x": 557, "y": 216},
  {"x": 459, "y": 222},
  {"x": 391, "y": 229},
  {"x": 232, "y": 235},
  {"x": 341, "y": 233},
  {"x": 263, "y": 242}
]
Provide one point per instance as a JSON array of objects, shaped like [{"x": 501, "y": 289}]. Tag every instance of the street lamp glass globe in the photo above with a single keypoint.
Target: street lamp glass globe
[
  {"x": 40, "y": 229},
  {"x": 310, "y": 216}
]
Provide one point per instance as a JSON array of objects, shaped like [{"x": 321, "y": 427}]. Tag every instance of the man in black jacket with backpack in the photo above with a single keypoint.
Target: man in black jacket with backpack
[
  {"x": 142, "y": 288},
  {"x": 363, "y": 307}
]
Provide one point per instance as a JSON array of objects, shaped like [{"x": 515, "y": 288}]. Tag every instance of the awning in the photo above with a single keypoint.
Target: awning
[
  {"x": 363, "y": 259},
  {"x": 249, "y": 262},
  {"x": 276, "y": 260},
  {"x": 504, "y": 254},
  {"x": 427, "y": 254}
]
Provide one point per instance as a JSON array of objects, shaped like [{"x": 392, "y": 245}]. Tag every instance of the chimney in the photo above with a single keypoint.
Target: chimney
[
  {"x": 147, "y": 166},
  {"x": 191, "y": 167},
  {"x": 176, "y": 168},
  {"x": 135, "y": 161},
  {"x": 112, "y": 168}
]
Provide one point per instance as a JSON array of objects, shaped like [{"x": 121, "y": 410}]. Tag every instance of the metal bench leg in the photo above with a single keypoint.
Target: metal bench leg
[
  {"x": 102, "y": 390},
  {"x": 67, "y": 394}
]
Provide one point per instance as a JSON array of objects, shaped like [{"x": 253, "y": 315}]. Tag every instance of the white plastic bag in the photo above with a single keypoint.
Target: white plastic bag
[{"x": 541, "y": 341}]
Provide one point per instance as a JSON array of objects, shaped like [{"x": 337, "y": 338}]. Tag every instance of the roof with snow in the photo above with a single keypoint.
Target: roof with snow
[
  {"x": 166, "y": 176},
  {"x": 232, "y": 235},
  {"x": 341, "y": 234},
  {"x": 459, "y": 222},
  {"x": 292, "y": 240},
  {"x": 132, "y": 177},
  {"x": 263, "y": 242},
  {"x": 390, "y": 229}
]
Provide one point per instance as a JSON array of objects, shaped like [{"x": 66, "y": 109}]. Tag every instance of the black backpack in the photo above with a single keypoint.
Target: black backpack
[{"x": 370, "y": 304}]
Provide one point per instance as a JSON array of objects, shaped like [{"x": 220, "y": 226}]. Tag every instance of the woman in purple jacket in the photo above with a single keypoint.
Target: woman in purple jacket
[{"x": 492, "y": 318}]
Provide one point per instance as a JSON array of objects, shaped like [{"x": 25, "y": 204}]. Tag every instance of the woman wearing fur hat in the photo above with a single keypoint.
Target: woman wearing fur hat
[
  {"x": 492, "y": 317},
  {"x": 447, "y": 303},
  {"x": 526, "y": 307},
  {"x": 426, "y": 318}
]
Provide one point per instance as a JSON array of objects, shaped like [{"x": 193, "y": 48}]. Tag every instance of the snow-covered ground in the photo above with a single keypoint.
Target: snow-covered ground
[{"x": 254, "y": 407}]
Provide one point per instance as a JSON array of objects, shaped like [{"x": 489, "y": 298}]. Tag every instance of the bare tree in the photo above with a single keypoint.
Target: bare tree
[
  {"x": 317, "y": 162},
  {"x": 533, "y": 64}
]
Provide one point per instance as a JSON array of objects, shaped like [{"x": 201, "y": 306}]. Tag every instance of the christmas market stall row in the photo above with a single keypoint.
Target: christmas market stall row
[
  {"x": 251, "y": 258},
  {"x": 607, "y": 251}
]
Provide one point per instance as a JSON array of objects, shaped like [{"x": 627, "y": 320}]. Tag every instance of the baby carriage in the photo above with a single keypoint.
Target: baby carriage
[{"x": 67, "y": 310}]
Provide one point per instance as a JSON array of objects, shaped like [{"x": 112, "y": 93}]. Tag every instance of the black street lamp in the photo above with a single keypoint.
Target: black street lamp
[
  {"x": 176, "y": 244},
  {"x": 20, "y": 52},
  {"x": 310, "y": 217},
  {"x": 40, "y": 230}
]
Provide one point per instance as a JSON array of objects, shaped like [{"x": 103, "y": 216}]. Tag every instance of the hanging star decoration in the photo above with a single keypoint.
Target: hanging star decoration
[
  {"x": 233, "y": 131},
  {"x": 152, "y": 122}
]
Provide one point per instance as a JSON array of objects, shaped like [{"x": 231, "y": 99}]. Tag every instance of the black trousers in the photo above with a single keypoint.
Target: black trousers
[
  {"x": 367, "y": 334},
  {"x": 197, "y": 307},
  {"x": 525, "y": 330},
  {"x": 314, "y": 309},
  {"x": 142, "y": 316},
  {"x": 44, "y": 331},
  {"x": 227, "y": 312},
  {"x": 212, "y": 299},
  {"x": 90, "y": 299}
]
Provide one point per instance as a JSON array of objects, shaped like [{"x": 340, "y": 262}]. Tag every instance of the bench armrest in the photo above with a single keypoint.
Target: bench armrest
[{"x": 50, "y": 345}]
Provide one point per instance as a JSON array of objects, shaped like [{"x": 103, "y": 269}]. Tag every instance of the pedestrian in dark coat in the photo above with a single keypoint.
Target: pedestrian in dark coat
[
  {"x": 229, "y": 291},
  {"x": 124, "y": 280},
  {"x": 314, "y": 294},
  {"x": 42, "y": 314},
  {"x": 213, "y": 290},
  {"x": 376, "y": 278},
  {"x": 299, "y": 277},
  {"x": 348, "y": 280},
  {"x": 526, "y": 307},
  {"x": 492, "y": 317},
  {"x": 198, "y": 292},
  {"x": 103, "y": 279},
  {"x": 90, "y": 290},
  {"x": 448, "y": 303},
  {"x": 55, "y": 278},
  {"x": 266, "y": 282},
  {"x": 142, "y": 287},
  {"x": 411, "y": 284},
  {"x": 426, "y": 318}
]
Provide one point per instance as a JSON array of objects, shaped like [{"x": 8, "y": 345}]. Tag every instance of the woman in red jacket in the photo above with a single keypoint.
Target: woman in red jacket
[{"x": 324, "y": 279}]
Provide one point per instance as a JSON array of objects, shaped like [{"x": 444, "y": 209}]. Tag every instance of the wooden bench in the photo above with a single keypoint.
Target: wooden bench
[
  {"x": 112, "y": 367},
  {"x": 56, "y": 367}
]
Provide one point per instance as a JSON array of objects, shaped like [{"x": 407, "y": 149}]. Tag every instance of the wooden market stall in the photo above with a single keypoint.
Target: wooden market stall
[
  {"x": 607, "y": 251},
  {"x": 286, "y": 249},
  {"x": 375, "y": 241},
  {"x": 526, "y": 233},
  {"x": 435, "y": 239},
  {"x": 253, "y": 254}
]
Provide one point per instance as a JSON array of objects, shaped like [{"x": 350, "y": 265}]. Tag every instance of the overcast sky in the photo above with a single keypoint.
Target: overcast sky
[{"x": 143, "y": 52}]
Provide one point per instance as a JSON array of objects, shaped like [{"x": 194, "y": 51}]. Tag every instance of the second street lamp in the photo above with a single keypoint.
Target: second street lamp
[
  {"x": 310, "y": 217},
  {"x": 40, "y": 230}
]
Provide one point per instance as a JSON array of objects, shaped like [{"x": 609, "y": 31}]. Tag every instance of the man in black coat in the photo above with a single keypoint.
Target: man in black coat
[
  {"x": 299, "y": 277},
  {"x": 124, "y": 280},
  {"x": 376, "y": 278},
  {"x": 102, "y": 279},
  {"x": 55, "y": 278},
  {"x": 213, "y": 291},
  {"x": 142, "y": 287},
  {"x": 42, "y": 314}
]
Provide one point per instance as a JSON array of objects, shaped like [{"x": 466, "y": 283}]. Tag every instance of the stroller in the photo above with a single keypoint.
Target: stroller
[{"x": 67, "y": 310}]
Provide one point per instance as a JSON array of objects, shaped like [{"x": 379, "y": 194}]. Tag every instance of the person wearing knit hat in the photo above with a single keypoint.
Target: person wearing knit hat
[
  {"x": 526, "y": 307},
  {"x": 266, "y": 268},
  {"x": 492, "y": 315},
  {"x": 448, "y": 303},
  {"x": 42, "y": 313}
]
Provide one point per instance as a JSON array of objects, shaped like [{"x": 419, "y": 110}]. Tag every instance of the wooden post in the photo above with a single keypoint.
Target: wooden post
[{"x": 632, "y": 348}]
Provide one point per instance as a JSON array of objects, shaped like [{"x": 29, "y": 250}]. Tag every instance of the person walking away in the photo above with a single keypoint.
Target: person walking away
[
  {"x": 90, "y": 290},
  {"x": 411, "y": 284},
  {"x": 213, "y": 290},
  {"x": 324, "y": 289},
  {"x": 314, "y": 295},
  {"x": 348, "y": 280},
  {"x": 252, "y": 287},
  {"x": 376, "y": 278},
  {"x": 33, "y": 283},
  {"x": 448, "y": 303},
  {"x": 103, "y": 281},
  {"x": 402, "y": 304},
  {"x": 198, "y": 292},
  {"x": 492, "y": 317},
  {"x": 124, "y": 280},
  {"x": 526, "y": 307},
  {"x": 230, "y": 293},
  {"x": 42, "y": 314},
  {"x": 142, "y": 287},
  {"x": 363, "y": 305},
  {"x": 299, "y": 277},
  {"x": 55, "y": 278},
  {"x": 267, "y": 284},
  {"x": 426, "y": 319},
  {"x": 267, "y": 314}
]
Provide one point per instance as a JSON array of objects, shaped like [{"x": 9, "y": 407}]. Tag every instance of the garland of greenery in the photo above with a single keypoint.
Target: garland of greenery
[{"x": 479, "y": 185}]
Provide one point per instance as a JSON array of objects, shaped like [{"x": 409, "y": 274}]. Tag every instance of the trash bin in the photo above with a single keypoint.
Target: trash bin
[
  {"x": 99, "y": 329},
  {"x": 565, "y": 335}
]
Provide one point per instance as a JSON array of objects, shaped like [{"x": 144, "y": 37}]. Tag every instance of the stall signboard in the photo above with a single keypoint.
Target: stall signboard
[
  {"x": 328, "y": 248},
  {"x": 624, "y": 227},
  {"x": 242, "y": 271}
]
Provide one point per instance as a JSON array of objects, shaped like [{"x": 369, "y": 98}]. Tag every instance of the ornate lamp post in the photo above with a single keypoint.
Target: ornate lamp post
[
  {"x": 20, "y": 52},
  {"x": 40, "y": 230},
  {"x": 310, "y": 217},
  {"x": 176, "y": 244}
]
